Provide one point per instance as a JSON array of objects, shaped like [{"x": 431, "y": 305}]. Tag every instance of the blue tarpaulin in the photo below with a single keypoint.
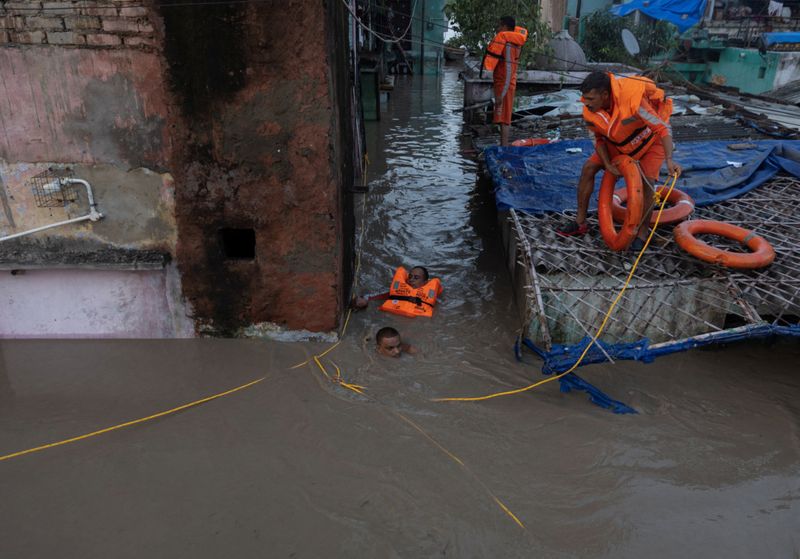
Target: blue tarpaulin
[
  {"x": 683, "y": 13},
  {"x": 544, "y": 178},
  {"x": 562, "y": 357},
  {"x": 782, "y": 37}
]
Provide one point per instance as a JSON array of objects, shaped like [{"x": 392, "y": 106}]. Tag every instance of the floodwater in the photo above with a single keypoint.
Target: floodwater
[{"x": 296, "y": 466}]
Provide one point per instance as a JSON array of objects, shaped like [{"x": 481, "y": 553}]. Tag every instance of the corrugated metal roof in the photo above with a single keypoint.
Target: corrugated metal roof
[
  {"x": 784, "y": 114},
  {"x": 789, "y": 93},
  {"x": 684, "y": 128}
]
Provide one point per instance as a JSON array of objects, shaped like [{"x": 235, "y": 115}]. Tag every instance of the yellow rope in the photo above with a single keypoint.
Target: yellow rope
[
  {"x": 359, "y": 249},
  {"x": 130, "y": 423},
  {"x": 599, "y": 330},
  {"x": 461, "y": 463},
  {"x": 337, "y": 379}
]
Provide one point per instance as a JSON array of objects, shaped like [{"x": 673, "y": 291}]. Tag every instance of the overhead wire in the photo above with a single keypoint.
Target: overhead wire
[
  {"x": 404, "y": 14},
  {"x": 137, "y": 4},
  {"x": 383, "y": 38}
]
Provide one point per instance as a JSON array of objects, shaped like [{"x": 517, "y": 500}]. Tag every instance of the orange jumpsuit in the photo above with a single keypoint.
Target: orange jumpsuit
[
  {"x": 502, "y": 59},
  {"x": 634, "y": 125}
]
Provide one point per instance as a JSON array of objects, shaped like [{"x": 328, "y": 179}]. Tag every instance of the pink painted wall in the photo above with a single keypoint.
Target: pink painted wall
[
  {"x": 89, "y": 303},
  {"x": 83, "y": 106}
]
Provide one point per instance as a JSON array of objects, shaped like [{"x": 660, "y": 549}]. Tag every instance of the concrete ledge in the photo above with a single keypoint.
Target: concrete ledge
[{"x": 27, "y": 256}]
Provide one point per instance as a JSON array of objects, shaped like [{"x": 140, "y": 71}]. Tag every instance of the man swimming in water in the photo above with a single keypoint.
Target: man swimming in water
[
  {"x": 417, "y": 277},
  {"x": 389, "y": 344}
]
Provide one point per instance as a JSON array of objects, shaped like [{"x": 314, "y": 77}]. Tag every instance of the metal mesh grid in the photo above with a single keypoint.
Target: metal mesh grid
[
  {"x": 571, "y": 282},
  {"x": 50, "y": 191}
]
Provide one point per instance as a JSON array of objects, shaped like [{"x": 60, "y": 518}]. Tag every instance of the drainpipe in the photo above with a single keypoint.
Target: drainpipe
[
  {"x": 710, "y": 11},
  {"x": 422, "y": 26},
  {"x": 93, "y": 214}
]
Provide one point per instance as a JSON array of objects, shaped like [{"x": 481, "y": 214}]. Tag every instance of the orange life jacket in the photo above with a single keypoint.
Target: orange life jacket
[
  {"x": 408, "y": 301},
  {"x": 638, "y": 106},
  {"x": 506, "y": 45}
]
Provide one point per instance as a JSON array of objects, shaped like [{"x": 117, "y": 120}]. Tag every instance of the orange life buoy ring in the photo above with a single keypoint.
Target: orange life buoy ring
[
  {"x": 763, "y": 254},
  {"x": 682, "y": 206},
  {"x": 633, "y": 213},
  {"x": 530, "y": 142}
]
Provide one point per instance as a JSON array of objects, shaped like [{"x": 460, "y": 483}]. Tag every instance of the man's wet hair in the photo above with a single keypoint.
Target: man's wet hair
[
  {"x": 596, "y": 80},
  {"x": 508, "y": 21},
  {"x": 386, "y": 332},
  {"x": 424, "y": 271}
]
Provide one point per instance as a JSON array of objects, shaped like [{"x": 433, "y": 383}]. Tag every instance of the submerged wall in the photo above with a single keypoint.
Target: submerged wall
[{"x": 214, "y": 135}]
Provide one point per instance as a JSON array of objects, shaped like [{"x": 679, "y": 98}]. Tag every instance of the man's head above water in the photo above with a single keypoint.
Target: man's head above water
[
  {"x": 417, "y": 277},
  {"x": 389, "y": 342}
]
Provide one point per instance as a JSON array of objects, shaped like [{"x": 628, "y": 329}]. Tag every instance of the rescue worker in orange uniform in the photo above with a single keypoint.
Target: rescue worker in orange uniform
[
  {"x": 628, "y": 116},
  {"x": 502, "y": 59}
]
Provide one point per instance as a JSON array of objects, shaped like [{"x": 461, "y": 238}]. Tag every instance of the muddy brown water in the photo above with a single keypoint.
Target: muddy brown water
[{"x": 297, "y": 467}]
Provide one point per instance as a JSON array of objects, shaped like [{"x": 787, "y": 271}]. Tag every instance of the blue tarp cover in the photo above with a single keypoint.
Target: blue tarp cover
[
  {"x": 562, "y": 357},
  {"x": 784, "y": 37},
  {"x": 544, "y": 178},
  {"x": 683, "y": 13}
]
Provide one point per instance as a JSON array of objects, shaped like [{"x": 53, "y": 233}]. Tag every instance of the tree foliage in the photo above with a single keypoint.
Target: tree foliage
[
  {"x": 476, "y": 22},
  {"x": 602, "y": 38}
]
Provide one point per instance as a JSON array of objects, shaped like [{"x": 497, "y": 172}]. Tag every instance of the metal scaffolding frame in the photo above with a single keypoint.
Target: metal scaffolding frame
[{"x": 569, "y": 283}]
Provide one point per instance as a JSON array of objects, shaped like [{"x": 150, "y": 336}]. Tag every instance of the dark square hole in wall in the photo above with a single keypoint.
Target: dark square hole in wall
[{"x": 238, "y": 244}]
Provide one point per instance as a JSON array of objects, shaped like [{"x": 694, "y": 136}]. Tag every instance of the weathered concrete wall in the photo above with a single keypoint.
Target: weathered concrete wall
[
  {"x": 91, "y": 303},
  {"x": 257, "y": 152},
  {"x": 102, "y": 112},
  {"x": 189, "y": 120},
  {"x": 138, "y": 204},
  {"x": 83, "y": 105}
]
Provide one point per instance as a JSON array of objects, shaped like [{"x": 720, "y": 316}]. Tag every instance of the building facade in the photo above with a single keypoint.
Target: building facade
[{"x": 218, "y": 143}]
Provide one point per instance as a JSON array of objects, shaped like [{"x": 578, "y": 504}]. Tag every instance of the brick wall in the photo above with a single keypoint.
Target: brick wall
[
  {"x": 100, "y": 24},
  {"x": 251, "y": 139}
]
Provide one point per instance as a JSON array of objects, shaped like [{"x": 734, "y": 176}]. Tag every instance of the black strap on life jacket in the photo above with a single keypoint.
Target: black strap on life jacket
[
  {"x": 641, "y": 146},
  {"x": 630, "y": 138},
  {"x": 410, "y": 299}
]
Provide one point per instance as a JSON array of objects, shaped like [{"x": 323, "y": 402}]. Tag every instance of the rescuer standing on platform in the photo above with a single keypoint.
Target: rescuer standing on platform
[
  {"x": 502, "y": 59},
  {"x": 628, "y": 116}
]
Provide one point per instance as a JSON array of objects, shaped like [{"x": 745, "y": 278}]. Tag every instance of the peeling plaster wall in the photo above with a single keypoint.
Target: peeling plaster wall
[
  {"x": 259, "y": 152},
  {"x": 99, "y": 108},
  {"x": 102, "y": 113},
  {"x": 80, "y": 105},
  {"x": 91, "y": 303},
  {"x": 187, "y": 120},
  {"x": 139, "y": 207}
]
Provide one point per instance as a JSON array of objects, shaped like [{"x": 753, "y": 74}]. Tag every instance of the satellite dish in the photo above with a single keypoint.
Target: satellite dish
[{"x": 630, "y": 42}]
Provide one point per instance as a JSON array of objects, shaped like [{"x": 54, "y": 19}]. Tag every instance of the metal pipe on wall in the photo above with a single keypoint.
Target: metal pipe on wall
[{"x": 93, "y": 214}]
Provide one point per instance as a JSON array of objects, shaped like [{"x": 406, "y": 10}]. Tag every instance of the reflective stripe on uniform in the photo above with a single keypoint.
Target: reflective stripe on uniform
[
  {"x": 508, "y": 73},
  {"x": 650, "y": 118}
]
